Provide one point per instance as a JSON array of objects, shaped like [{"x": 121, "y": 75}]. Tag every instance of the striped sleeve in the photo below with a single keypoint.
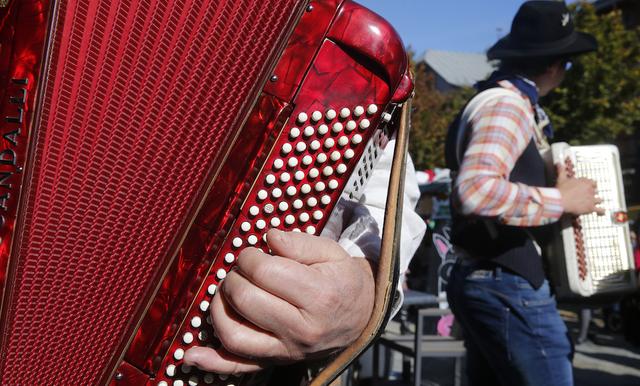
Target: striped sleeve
[{"x": 500, "y": 133}]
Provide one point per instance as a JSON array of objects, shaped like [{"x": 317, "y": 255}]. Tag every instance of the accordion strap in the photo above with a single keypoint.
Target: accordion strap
[{"x": 387, "y": 273}]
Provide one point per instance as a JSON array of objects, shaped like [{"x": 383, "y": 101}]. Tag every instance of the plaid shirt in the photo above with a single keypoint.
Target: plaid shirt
[{"x": 500, "y": 132}]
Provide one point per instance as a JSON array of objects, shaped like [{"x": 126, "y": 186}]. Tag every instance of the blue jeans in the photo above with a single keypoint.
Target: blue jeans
[{"x": 513, "y": 333}]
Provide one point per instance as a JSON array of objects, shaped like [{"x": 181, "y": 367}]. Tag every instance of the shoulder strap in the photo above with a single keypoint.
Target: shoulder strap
[{"x": 472, "y": 108}]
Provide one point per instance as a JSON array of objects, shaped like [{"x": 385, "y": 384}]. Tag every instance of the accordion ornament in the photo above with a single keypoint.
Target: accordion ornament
[
  {"x": 145, "y": 143},
  {"x": 592, "y": 254}
]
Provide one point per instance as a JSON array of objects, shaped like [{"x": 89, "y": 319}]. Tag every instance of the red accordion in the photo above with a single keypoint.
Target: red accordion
[{"x": 145, "y": 143}]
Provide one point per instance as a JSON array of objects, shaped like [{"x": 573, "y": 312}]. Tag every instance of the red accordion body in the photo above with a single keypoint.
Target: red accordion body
[{"x": 144, "y": 143}]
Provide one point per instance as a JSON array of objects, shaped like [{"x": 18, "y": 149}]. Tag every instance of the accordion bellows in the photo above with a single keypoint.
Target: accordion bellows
[{"x": 145, "y": 142}]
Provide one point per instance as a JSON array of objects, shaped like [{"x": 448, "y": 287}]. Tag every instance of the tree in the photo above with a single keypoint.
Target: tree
[
  {"x": 599, "y": 99},
  {"x": 432, "y": 113}
]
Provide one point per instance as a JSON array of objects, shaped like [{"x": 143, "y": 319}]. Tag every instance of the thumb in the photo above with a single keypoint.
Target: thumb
[
  {"x": 304, "y": 248},
  {"x": 562, "y": 172}
]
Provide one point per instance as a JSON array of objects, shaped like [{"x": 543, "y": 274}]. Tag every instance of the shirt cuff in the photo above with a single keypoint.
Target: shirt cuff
[{"x": 552, "y": 208}]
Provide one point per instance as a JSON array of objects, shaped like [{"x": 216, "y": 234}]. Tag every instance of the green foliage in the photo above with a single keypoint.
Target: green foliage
[
  {"x": 599, "y": 99},
  {"x": 433, "y": 111}
]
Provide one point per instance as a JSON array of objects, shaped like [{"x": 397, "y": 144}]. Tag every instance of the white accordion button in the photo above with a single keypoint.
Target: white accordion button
[
  {"x": 269, "y": 208},
  {"x": 187, "y": 338},
  {"x": 311, "y": 230},
  {"x": 343, "y": 141},
  {"x": 196, "y": 322},
  {"x": 262, "y": 194},
  {"x": 286, "y": 148},
  {"x": 357, "y": 139},
  {"x": 275, "y": 222},
  {"x": 321, "y": 158},
  {"x": 333, "y": 184},
  {"x": 289, "y": 219},
  {"x": 315, "y": 145},
  {"x": 270, "y": 179},
  {"x": 320, "y": 186},
  {"x": 309, "y": 131},
  {"x": 323, "y": 129},
  {"x": 372, "y": 109},
  {"x": 329, "y": 143},
  {"x": 341, "y": 169},
  {"x": 211, "y": 290},
  {"x": 358, "y": 111},
  {"x": 297, "y": 204},
  {"x": 202, "y": 335},
  {"x": 178, "y": 354},
  {"x": 252, "y": 240},
  {"x": 313, "y": 173},
  {"x": 301, "y": 146},
  {"x": 349, "y": 153},
  {"x": 229, "y": 258},
  {"x": 325, "y": 200},
  {"x": 278, "y": 164},
  {"x": 312, "y": 201},
  {"x": 293, "y": 162},
  {"x": 331, "y": 114},
  {"x": 285, "y": 177},
  {"x": 294, "y": 133},
  {"x": 351, "y": 125},
  {"x": 283, "y": 206},
  {"x": 193, "y": 381},
  {"x": 327, "y": 171},
  {"x": 178, "y": 382},
  {"x": 163, "y": 383},
  {"x": 316, "y": 116},
  {"x": 364, "y": 124},
  {"x": 386, "y": 117},
  {"x": 345, "y": 112},
  {"x": 261, "y": 224},
  {"x": 221, "y": 274},
  {"x": 171, "y": 370},
  {"x": 299, "y": 176},
  {"x": 245, "y": 227},
  {"x": 304, "y": 217},
  {"x": 291, "y": 191},
  {"x": 305, "y": 189},
  {"x": 317, "y": 215},
  {"x": 335, "y": 155},
  {"x": 237, "y": 242},
  {"x": 302, "y": 117},
  {"x": 307, "y": 160},
  {"x": 337, "y": 127}
]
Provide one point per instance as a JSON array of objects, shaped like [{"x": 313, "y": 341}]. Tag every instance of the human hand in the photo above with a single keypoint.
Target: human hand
[
  {"x": 578, "y": 194},
  {"x": 306, "y": 299}
]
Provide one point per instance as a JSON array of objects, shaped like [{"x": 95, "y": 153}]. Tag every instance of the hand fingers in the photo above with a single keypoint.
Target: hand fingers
[
  {"x": 260, "y": 307},
  {"x": 294, "y": 282},
  {"x": 219, "y": 361},
  {"x": 241, "y": 337},
  {"x": 304, "y": 248}
]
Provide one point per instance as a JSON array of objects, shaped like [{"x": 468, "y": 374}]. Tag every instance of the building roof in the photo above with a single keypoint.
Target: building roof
[{"x": 460, "y": 69}]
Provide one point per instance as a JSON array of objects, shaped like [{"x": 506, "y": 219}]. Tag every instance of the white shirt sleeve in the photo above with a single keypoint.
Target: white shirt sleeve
[{"x": 359, "y": 224}]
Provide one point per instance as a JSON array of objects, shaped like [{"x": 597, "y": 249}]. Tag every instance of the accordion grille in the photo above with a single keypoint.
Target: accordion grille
[{"x": 140, "y": 101}]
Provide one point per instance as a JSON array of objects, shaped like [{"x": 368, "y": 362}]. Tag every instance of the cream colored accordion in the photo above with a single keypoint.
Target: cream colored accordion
[{"x": 592, "y": 254}]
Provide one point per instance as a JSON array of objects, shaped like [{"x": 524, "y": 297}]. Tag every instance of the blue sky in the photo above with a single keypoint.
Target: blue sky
[{"x": 452, "y": 25}]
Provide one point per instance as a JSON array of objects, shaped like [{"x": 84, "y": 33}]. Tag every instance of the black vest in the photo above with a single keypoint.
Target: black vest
[{"x": 510, "y": 247}]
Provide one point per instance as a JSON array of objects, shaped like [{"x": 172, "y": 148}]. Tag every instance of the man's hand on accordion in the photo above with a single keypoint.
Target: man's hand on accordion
[
  {"x": 579, "y": 195},
  {"x": 306, "y": 299}
]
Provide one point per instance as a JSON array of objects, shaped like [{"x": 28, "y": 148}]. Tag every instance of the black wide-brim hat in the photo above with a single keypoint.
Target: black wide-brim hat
[{"x": 542, "y": 28}]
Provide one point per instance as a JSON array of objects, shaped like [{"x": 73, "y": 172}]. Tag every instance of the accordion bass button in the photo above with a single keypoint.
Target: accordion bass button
[
  {"x": 297, "y": 204},
  {"x": 261, "y": 224},
  {"x": 372, "y": 109},
  {"x": 208, "y": 379},
  {"x": 196, "y": 321},
  {"x": 331, "y": 114},
  {"x": 358, "y": 111},
  {"x": 325, "y": 200},
  {"x": 309, "y": 131},
  {"x": 351, "y": 125},
  {"x": 293, "y": 162},
  {"x": 349, "y": 153},
  {"x": 335, "y": 156},
  {"x": 299, "y": 175},
  {"x": 311, "y": 230},
  {"x": 323, "y": 129},
  {"x": 364, "y": 124},
  {"x": 220, "y": 274},
  {"x": 178, "y": 354},
  {"x": 357, "y": 139},
  {"x": 302, "y": 117},
  {"x": 316, "y": 116},
  {"x": 337, "y": 127},
  {"x": 329, "y": 143},
  {"x": 278, "y": 164},
  {"x": 294, "y": 133},
  {"x": 345, "y": 112},
  {"x": 170, "y": 370},
  {"x": 163, "y": 383},
  {"x": 341, "y": 169},
  {"x": 321, "y": 158},
  {"x": 193, "y": 381},
  {"x": 343, "y": 141}
]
